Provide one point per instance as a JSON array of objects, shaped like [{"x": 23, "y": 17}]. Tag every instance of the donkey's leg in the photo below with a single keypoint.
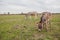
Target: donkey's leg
[
  {"x": 46, "y": 25},
  {"x": 42, "y": 24},
  {"x": 49, "y": 23}
]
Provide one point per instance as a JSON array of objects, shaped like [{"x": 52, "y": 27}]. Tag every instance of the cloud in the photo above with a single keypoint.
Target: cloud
[{"x": 30, "y": 5}]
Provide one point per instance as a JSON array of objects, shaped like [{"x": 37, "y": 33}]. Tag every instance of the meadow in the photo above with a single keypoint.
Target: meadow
[{"x": 16, "y": 27}]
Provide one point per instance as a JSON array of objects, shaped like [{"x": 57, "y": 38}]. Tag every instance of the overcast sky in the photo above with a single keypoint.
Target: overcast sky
[{"x": 29, "y": 5}]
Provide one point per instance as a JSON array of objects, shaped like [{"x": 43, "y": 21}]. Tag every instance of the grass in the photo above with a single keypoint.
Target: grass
[{"x": 15, "y": 27}]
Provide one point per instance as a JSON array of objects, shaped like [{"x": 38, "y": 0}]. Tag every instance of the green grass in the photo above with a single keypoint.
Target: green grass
[{"x": 15, "y": 27}]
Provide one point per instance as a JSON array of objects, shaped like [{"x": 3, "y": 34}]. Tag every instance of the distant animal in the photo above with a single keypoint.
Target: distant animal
[{"x": 30, "y": 14}]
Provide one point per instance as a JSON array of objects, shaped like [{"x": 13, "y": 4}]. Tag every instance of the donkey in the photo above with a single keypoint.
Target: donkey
[{"x": 45, "y": 18}]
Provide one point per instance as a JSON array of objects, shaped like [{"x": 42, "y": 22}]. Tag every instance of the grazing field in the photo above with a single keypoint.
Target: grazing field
[{"x": 16, "y": 27}]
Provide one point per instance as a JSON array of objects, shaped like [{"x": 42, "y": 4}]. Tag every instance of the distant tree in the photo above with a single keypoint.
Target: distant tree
[
  {"x": 8, "y": 13},
  {"x": 22, "y": 13}
]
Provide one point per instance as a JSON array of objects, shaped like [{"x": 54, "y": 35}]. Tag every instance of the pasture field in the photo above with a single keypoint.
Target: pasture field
[{"x": 15, "y": 27}]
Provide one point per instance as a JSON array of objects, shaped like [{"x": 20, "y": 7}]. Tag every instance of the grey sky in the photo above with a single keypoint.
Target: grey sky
[{"x": 29, "y": 5}]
